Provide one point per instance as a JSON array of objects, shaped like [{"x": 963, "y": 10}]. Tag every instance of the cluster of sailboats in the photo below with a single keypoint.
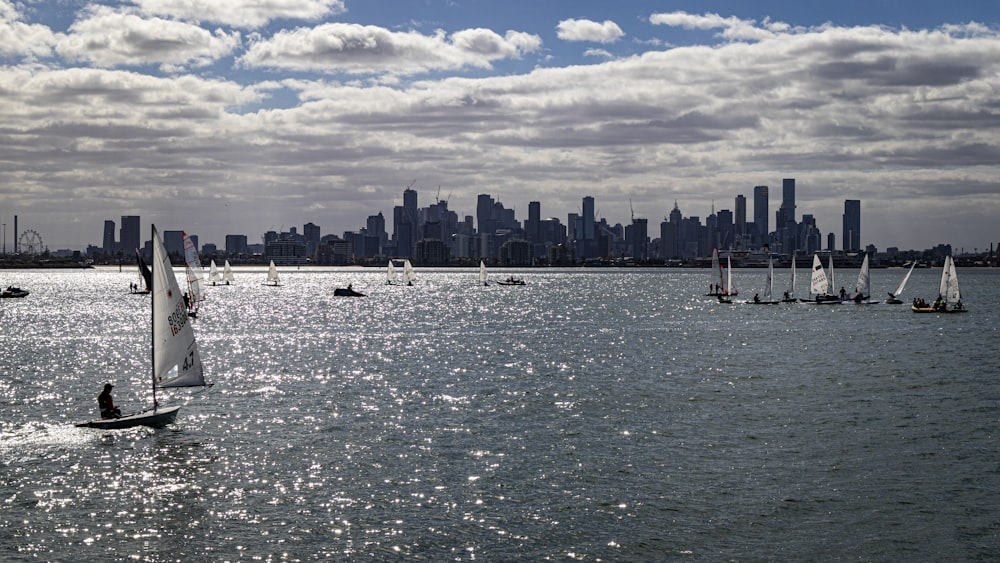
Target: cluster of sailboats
[{"x": 822, "y": 284}]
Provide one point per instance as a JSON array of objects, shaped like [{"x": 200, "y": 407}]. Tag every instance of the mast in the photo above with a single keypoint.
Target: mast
[{"x": 152, "y": 324}]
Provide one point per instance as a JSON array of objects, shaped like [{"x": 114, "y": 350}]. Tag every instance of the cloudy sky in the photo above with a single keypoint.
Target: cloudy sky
[{"x": 240, "y": 116}]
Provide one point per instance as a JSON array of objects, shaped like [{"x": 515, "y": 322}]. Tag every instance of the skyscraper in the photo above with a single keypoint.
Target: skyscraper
[
  {"x": 741, "y": 216},
  {"x": 760, "y": 214},
  {"x": 109, "y": 237},
  {"x": 588, "y": 218},
  {"x": 129, "y": 238},
  {"x": 852, "y": 225}
]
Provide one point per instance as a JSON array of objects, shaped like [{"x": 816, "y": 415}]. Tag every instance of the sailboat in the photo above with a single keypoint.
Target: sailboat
[
  {"x": 819, "y": 285},
  {"x": 484, "y": 277},
  {"x": 145, "y": 276},
  {"x": 894, "y": 295},
  {"x": 213, "y": 273},
  {"x": 196, "y": 293},
  {"x": 391, "y": 276},
  {"x": 768, "y": 287},
  {"x": 715, "y": 282},
  {"x": 863, "y": 289},
  {"x": 408, "y": 274},
  {"x": 175, "y": 359},
  {"x": 949, "y": 298},
  {"x": 227, "y": 274},
  {"x": 272, "y": 275},
  {"x": 790, "y": 293},
  {"x": 728, "y": 288}
]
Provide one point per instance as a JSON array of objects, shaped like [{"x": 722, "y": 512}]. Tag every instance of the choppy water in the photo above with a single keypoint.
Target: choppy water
[{"x": 592, "y": 415}]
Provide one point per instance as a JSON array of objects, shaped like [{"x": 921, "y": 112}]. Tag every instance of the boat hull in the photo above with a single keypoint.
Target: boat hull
[
  {"x": 345, "y": 292},
  {"x": 935, "y": 310},
  {"x": 154, "y": 418}
]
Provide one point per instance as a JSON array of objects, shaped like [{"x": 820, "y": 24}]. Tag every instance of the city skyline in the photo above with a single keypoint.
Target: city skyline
[{"x": 254, "y": 117}]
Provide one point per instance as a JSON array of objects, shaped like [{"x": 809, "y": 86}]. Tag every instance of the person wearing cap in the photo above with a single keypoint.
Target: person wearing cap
[{"x": 107, "y": 404}]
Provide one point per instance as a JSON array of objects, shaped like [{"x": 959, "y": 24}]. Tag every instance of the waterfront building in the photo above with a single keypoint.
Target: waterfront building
[
  {"x": 110, "y": 247},
  {"x": 760, "y": 222},
  {"x": 129, "y": 237}
]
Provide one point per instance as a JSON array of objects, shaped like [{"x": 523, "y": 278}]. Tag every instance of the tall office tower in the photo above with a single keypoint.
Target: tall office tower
[
  {"x": 109, "y": 237},
  {"x": 725, "y": 229},
  {"x": 760, "y": 214},
  {"x": 375, "y": 226},
  {"x": 236, "y": 245},
  {"x": 788, "y": 198},
  {"x": 532, "y": 225},
  {"x": 637, "y": 237},
  {"x": 784, "y": 225},
  {"x": 311, "y": 233},
  {"x": 129, "y": 238},
  {"x": 484, "y": 215},
  {"x": 668, "y": 239},
  {"x": 741, "y": 215},
  {"x": 852, "y": 225},
  {"x": 404, "y": 224},
  {"x": 588, "y": 218},
  {"x": 410, "y": 198}
]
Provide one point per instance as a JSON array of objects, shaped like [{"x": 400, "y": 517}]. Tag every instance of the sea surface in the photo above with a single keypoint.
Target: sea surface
[{"x": 593, "y": 415}]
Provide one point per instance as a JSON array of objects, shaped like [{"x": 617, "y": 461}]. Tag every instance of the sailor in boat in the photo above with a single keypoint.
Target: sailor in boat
[
  {"x": 107, "y": 404},
  {"x": 843, "y": 293},
  {"x": 756, "y": 298}
]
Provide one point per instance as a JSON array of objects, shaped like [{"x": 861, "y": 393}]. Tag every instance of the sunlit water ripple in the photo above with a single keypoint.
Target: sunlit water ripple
[{"x": 591, "y": 414}]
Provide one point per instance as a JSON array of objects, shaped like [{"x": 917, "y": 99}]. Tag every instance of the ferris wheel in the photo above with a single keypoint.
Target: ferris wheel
[{"x": 30, "y": 242}]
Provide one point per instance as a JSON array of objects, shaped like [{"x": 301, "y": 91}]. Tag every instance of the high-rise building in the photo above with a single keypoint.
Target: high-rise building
[
  {"x": 109, "y": 238},
  {"x": 852, "y": 225},
  {"x": 311, "y": 233},
  {"x": 785, "y": 226},
  {"x": 404, "y": 224},
  {"x": 129, "y": 238},
  {"x": 484, "y": 215},
  {"x": 788, "y": 198},
  {"x": 741, "y": 216},
  {"x": 760, "y": 214},
  {"x": 375, "y": 226},
  {"x": 236, "y": 245},
  {"x": 588, "y": 218}
]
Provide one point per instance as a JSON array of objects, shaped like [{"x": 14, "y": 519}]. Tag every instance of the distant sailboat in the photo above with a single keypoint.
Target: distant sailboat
[
  {"x": 768, "y": 287},
  {"x": 819, "y": 284},
  {"x": 145, "y": 276},
  {"x": 227, "y": 274},
  {"x": 894, "y": 296},
  {"x": 483, "y": 275},
  {"x": 196, "y": 293},
  {"x": 715, "y": 282},
  {"x": 213, "y": 273},
  {"x": 272, "y": 275},
  {"x": 391, "y": 275},
  {"x": 408, "y": 273},
  {"x": 863, "y": 289},
  {"x": 790, "y": 293},
  {"x": 949, "y": 295}
]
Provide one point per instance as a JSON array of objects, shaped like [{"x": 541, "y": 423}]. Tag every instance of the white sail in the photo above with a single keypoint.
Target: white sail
[
  {"x": 729, "y": 289},
  {"x": 483, "y": 275},
  {"x": 818, "y": 285},
  {"x": 195, "y": 292},
  {"x": 863, "y": 286},
  {"x": 716, "y": 282},
  {"x": 176, "y": 362},
  {"x": 791, "y": 286},
  {"x": 953, "y": 295},
  {"x": 272, "y": 274},
  {"x": 227, "y": 273},
  {"x": 391, "y": 276},
  {"x": 213, "y": 273},
  {"x": 770, "y": 279},
  {"x": 945, "y": 275},
  {"x": 902, "y": 284},
  {"x": 832, "y": 285},
  {"x": 408, "y": 274}
]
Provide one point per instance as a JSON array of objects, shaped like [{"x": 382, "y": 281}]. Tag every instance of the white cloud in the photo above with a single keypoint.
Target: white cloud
[
  {"x": 601, "y": 53},
  {"x": 359, "y": 49},
  {"x": 108, "y": 37},
  {"x": 18, "y": 38},
  {"x": 242, "y": 13},
  {"x": 587, "y": 30},
  {"x": 732, "y": 27}
]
